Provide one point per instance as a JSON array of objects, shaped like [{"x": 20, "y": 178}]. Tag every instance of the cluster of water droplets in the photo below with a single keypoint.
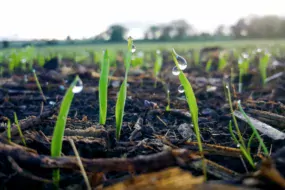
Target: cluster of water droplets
[
  {"x": 78, "y": 86},
  {"x": 182, "y": 64}
]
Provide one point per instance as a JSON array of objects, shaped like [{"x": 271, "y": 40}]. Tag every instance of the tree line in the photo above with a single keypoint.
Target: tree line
[
  {"x": 250, "y": 27},
  {"x": 270, "y": 26}
]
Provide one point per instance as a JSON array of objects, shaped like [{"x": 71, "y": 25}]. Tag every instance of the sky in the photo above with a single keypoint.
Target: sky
[{"x": 36, "y": 19}]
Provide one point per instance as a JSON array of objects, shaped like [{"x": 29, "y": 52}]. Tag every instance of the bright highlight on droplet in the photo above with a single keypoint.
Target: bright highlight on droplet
[
  {"x": 182, "y": 63},
  {"x": 78, "y": 87},
  {"x": 133, "y": 48},
  {"x": 175, "y": 71},
  {"x": 180, "y": 89}
]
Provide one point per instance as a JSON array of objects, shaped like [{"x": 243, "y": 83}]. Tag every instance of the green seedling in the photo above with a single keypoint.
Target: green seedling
[
  {"x": 168, "y": 100},
  {"x": 9, "y": 131},
  {"x": 193, "y": 108},
  {"x": 39, "y": 85},
  {"x": 103, "y": 88},
  {"x": 256, "y": 134},
  {"x": 157, "y": 66},
  {"x": 222, "y": 62},
  {"x": 19, "y": 129},
  {"x": 56, "y": 143},
  {"x": 234, "y": 118},
  {"x": 243, "y": 64},
  {"x": 196, "y": 57},
  {"x": 120, "y": 104},
  {"x": 209, "y": 65},
  {"x": 244, "y": 151},
  {"x": 263, "y": 64}
]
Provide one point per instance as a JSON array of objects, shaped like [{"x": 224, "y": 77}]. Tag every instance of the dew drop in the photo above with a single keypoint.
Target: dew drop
[
  {"x": 182, "y": 63},
  {"x": 180, "y": 89},
  {"x": 25, "y": 78},
  {"x": 61, "y": 87},
  {"x": 238, "y": 101},
  {"x": 227, "y": 87},
  {"x": 51, "y": 103},
  {"x": 116, "y": 83},
  {"x": 175, "y": 71},
  {"x": 245, "y": 55},
  {"x": 78, "y": 87},
  {"x": 133, "y": 48},
  {"x": 238, "y": 145},
  {"x": 23, "y": 60},
  {"x": 158, "y": 51}
]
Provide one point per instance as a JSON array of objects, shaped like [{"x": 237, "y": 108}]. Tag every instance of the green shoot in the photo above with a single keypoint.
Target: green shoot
[
  {"x": 39, "y": 85},
  {"x": 196, "y": 57},
  {"x": 56, "y": 143},
  {"x": 263, "y": 64},
  {"x": 234, "y": 118},
  {"x": 209, "y": 65},
  {"x": 222, "y": 62},
  {"x": 19, "y": 129},
  {"x": 103, "y": 88},
  {"x": 193, "y": 108},
  {"x": 242, "y": 148},
  {"x": 243, "y": 64},
  {"x": 254, "y": 130},
  {"x": 168, "y": 100},
  {"x": 120, "y": 104},
  {"x": 9, "y": 130},
  {"x": 157, "y": 66},
  {"x": 250, "y": 141}
]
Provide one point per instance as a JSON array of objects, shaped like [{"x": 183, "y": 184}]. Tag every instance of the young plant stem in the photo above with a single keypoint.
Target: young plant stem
[
  {"x": 19, "y": 128},
  {"x": 234, "y": 118},
  {"x": 39, "y": 85}
]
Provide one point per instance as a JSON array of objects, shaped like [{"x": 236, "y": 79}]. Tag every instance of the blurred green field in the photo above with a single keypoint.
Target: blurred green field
[{"x": 144, "y": 46}]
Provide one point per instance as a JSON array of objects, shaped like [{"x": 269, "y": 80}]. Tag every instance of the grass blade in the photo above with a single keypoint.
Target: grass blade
[
  {"x": 209, "y": 65},
  {"x": 9, "y": 131},
  {"x": 103, "y": 88},
  {"x": 19, "y": 128},
  {"x": 241, "y": 147},
  {"x": 39, "y": 85},
  {"x": 193, "y": 108},
  {"x": 56, "y": 143},
  {"x": 120, "y": 104},
  {"x": 234, "y": 118},
  {"x": 254, "y": 130},
  {"x": 85, "y": 177}
]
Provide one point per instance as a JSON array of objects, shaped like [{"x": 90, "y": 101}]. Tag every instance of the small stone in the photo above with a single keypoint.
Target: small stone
[{"x": 185, "y": 130}]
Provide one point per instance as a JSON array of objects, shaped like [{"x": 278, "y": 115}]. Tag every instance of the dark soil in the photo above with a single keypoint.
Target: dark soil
[{"x": 149, "y": 133}]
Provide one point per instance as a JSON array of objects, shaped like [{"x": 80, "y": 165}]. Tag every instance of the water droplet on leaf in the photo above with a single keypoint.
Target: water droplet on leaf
[
  {"x": 52, "y": 103},
  {"x": 175, "y": 71},
  {"x": 25, "y": 78},
  {"x": 180, "y": 89},
  {"x": 61, "y": 87},
  {"x": 133, "y": 48},
  {"x": 78, "y": 87},
  {"x": 116, "y": 83},
  {"x": 182, "y": 63}
]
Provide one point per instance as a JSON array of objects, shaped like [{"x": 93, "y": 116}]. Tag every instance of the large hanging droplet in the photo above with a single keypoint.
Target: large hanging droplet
[
  {"x": 133, "y": 48},
  {"x": 78, "y": 87},
  {"x": 182, "y": 63},
  {"x": 245, "y": 55},
  {"x": 175, "y": 71},
  {"x": 180, "y": 89}
]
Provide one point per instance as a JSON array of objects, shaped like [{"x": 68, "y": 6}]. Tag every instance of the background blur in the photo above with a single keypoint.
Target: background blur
[{"x": 61, "y": 22}]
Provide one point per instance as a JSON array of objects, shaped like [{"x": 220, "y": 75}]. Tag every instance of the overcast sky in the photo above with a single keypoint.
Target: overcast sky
[{"x": 85, "y": 18}]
